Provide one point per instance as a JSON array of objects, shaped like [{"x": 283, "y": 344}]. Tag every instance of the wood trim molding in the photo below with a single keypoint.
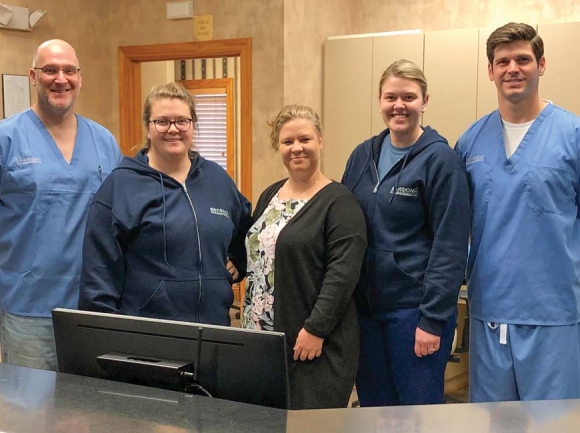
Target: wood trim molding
[
  {"x": 130, "y": 128},
  {"x": 130, "y": 59}
]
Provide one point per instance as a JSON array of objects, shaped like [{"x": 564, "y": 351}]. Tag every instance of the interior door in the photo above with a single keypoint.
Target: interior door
[{"x": 214, "y": 137}]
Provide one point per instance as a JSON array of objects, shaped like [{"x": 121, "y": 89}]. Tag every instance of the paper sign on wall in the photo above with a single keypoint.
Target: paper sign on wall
[
  {"x": 203, "y": 27},
  {"x": 15, "y": 94}
]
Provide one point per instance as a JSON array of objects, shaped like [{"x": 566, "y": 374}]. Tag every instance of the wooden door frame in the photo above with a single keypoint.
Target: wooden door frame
[{"x": 130, "y": 59}]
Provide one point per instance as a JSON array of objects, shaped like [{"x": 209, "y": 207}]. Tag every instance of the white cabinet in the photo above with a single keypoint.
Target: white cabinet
[{"x": 347, "y": 96}]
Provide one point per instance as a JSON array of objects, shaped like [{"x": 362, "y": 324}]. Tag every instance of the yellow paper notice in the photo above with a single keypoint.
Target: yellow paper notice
[{"x": 203, "y": 27}]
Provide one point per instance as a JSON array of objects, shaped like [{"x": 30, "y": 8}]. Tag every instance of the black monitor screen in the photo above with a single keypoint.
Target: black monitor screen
[{"x": 229, "y": 363}]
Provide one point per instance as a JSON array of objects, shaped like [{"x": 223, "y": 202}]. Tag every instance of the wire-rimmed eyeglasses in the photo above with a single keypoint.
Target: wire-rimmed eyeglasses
[
  {"x": 51, "y": 71},
  {"x": 163, "y": 125}
]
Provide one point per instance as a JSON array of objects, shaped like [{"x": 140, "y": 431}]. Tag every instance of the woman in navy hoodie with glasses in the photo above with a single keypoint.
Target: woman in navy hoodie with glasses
[
  {"x": 413, "y": 190},
  {"x": 165, "y": 232}
]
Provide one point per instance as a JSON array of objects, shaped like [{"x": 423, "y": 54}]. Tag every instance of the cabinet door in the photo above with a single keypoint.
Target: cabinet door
[
  {"x": 451, "y": 69},
  {"x": 386, "y": 50},
  {"x": 560, "y": 81},
  {"x": 347, "y": 95}
]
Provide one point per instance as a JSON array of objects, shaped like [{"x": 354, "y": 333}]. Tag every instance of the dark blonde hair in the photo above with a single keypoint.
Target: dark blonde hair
[
  {"x": 291, "y": 112},
  {"x": 167, "y": 91},
  {"x": 512, "y": 32},
  {"x": 406, "y": 69}
]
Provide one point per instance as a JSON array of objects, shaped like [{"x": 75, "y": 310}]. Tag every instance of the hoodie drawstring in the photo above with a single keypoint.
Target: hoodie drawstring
[
  {"x": 376, "y": 188},
  {"x": 163, "y": 220},
  {"x": 398, "y": 176}
]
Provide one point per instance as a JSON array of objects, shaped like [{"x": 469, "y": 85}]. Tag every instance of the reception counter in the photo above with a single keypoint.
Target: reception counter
[{"x": 42, "y": 401}]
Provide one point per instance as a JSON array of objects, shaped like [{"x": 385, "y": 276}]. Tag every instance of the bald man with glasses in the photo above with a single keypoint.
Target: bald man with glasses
[{"x": 52, "y": 161}]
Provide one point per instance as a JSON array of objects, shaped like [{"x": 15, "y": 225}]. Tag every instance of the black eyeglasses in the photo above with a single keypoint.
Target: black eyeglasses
[
  {"x": 51, "y": 71},
  {"x": 163, "y": 125}
]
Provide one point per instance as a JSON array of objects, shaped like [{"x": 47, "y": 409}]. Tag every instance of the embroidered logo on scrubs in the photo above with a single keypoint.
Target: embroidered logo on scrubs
[
  {"x": 217, "y": 211},
  {"x": 474, "y": 159},
  {"x": 27, "y": 160},
  {"x": 408, "y": 192}
]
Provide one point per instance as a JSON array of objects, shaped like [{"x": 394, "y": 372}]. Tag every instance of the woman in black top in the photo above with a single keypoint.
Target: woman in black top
[{"x": 305, "y": 251}]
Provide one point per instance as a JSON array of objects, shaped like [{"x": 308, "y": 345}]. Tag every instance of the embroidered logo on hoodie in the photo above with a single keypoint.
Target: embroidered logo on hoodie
[
  {"x": 217, "y": 211},
  {"x": 408, "y": 192}
]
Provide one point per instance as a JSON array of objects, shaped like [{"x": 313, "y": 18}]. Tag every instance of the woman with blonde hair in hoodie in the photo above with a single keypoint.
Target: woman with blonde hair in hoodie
[
  {"x": 413, "y": 190},
  {"x": 165, "y": 232}
]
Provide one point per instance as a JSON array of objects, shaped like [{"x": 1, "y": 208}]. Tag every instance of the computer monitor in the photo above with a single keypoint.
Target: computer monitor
[{"x": 229, "y": 363}]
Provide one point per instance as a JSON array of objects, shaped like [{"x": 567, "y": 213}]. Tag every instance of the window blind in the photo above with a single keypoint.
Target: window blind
[{"x": 210, "y": 138}]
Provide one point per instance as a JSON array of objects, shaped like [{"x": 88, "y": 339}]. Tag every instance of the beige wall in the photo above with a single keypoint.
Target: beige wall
[
  {"x": 381, "y": 16},
  {"x": 306, "y": 26},
  {"x": 96, "y": 29},
  {"x": 139, "y": 22},
  {"x": 288, "y": 40},
  {"x": 86, "y": 25},
  {"x": 154, "y": 73}
]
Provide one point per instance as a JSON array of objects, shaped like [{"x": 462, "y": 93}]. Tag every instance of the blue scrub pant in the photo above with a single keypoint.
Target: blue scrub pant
[
  {"x": 389, "y": 372},
  {"x": 536, "y": 363},
  {"x": 27, "y": 341}
]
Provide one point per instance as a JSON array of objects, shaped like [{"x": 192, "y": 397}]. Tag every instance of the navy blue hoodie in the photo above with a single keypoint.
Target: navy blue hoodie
[
  {"x": 418, "y": 220},
  {"x": 156, "y": 248}
]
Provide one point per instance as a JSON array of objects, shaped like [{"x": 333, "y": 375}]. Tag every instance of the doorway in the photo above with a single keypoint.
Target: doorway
[{"x": 130, "y": 59}]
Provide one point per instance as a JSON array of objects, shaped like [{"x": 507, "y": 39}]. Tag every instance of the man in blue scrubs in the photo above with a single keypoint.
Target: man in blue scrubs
[
  {"x": 524, "y": 264},
  {"x": 52, "y": 161}
]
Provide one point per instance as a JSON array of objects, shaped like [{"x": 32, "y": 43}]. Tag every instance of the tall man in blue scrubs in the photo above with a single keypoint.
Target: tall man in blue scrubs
[
  {"x": 52, "y": 161},
  {"x": 524, "y": 265}
]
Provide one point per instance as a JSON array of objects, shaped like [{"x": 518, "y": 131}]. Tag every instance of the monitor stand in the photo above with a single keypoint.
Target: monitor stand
[{"x": 155, "y": 372}]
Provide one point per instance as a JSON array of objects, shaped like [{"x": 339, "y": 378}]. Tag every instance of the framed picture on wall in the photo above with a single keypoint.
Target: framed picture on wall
[{"x": 15, "y": 94}]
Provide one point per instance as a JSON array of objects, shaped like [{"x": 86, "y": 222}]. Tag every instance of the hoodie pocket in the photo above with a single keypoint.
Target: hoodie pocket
[
  {"x": 173, "y": 299},
  {"x": 216, "y": 302},
  {"x": 389, "y": 284}
]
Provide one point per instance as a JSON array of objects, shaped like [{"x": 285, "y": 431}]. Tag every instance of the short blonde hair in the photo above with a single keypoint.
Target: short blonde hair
[
  {"x": 167, "y": 91},
  {"x": 291, "y": 112},
  {"x": 405, "y": 69}
]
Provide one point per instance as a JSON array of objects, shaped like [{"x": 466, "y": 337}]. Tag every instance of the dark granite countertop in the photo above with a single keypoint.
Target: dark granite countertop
[{"x": 43, "y": 401}]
